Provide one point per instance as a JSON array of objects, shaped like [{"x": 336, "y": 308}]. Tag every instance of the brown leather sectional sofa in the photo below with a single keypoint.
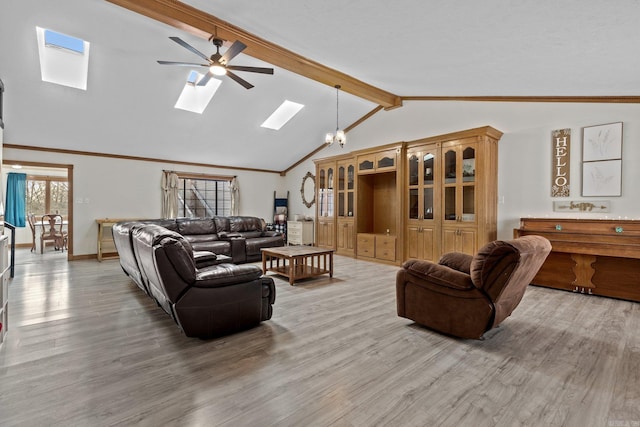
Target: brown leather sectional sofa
[{"x": 204, "y": 296}]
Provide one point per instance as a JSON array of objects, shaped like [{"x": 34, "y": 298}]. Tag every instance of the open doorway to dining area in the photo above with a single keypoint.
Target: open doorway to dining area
[{"x": 37, "y": 204}]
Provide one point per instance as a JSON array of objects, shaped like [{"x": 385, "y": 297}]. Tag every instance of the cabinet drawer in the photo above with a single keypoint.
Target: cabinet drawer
[
  {"x": 294, "y": 226},
  {"x": 366, "y": 245},
  {"x": 386, "y": 247}
]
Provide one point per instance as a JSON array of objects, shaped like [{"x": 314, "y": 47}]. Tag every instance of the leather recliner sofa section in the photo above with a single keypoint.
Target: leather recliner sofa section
[{"x": 204, "y": 302}]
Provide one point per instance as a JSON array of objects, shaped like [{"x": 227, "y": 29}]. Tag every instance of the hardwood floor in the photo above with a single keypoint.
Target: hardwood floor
[{"x": 87, "y": 348}]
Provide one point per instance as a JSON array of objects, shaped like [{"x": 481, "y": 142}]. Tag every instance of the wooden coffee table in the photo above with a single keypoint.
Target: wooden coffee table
[{"x": 298, "y": 262}]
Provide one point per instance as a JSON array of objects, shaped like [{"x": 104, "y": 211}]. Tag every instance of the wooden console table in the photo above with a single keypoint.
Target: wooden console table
[
  {"x": 298, "y": 262},
  {"x": 106, "y": 247},
  {"x": 591, "y": 256}
]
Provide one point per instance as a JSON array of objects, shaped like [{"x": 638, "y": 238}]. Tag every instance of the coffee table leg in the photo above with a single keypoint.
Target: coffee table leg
[
  {"x": 264, "y": 263},
  {"x": 292, "y": 263},
  {"x": 330, "y": 264}
]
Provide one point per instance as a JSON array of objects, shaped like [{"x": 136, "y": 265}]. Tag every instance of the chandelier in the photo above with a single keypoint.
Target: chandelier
[{"x": 339, "y": 135}]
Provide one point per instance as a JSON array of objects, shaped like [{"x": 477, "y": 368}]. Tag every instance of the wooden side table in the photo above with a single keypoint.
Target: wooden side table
[{"x": 106, "y": 247}]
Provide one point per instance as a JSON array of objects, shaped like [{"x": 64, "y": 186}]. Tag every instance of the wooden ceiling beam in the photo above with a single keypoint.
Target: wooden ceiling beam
[{"x": 202, "y": 24}]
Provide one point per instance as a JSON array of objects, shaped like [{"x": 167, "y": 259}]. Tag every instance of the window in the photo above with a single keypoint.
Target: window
[
  {"x": 47, "y": 194},
  {"x": 204, "y": 197}
]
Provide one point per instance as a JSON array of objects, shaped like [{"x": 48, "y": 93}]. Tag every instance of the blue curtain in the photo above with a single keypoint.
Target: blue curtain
[{"x": 16, "y": 199}]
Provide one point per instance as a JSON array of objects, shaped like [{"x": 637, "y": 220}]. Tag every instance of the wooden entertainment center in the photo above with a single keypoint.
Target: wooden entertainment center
[
  {"x": 590, "y": 256},
  {"x": 411, "y": 199}
]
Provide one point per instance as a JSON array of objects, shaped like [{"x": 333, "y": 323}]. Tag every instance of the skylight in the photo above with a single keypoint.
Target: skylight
[
  {"x": 282, "y": 115},
  {"x": 196, "y": 98},
  {"x": 64, "y": 59}
]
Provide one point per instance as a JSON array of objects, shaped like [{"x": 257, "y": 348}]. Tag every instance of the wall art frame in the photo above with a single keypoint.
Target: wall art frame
[
  {"x": 602, "y": 160},
  {"x": 602, "y": 142}
]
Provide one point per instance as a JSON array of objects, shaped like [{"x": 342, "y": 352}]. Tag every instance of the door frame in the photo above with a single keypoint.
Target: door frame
[{"x": 70, "y": 199}]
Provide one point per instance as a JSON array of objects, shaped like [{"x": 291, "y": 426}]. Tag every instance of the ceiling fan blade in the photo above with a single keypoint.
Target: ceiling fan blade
[
  {"x": 262, "y": 70},
  {"x": 183, "y": 64},
  {"x": 188, "y": 46},
  {"x": 205, "y": 79},
  {"x": 234, "y": 50},
  {"x": 240, "y": 80}
]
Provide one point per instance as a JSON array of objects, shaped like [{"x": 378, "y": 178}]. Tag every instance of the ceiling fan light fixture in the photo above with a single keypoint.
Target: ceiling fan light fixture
[{"x": 218, "y": 70}]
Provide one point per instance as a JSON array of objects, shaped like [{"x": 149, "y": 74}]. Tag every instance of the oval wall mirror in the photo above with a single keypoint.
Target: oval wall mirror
[{"x": 308, "y": 189}]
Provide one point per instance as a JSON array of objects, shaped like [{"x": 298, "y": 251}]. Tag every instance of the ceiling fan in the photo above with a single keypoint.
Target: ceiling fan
[{"x": 218, "y": 64}]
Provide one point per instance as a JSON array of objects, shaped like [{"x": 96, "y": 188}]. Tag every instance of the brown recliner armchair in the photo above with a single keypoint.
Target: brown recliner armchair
[{"x": 464, "y": 295}]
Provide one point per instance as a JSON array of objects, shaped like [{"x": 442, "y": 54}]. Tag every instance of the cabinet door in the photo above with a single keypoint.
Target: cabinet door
[
  {"x": 366, "y": 163},
  {"x": 459, "y": 183},
  {"x": 325, "y": 190},
  {"x": 345, "y": 237},
  {"x": 325, "y": 234},
  {"x": 421, "y": 180},
  {"x": 459, "y": 240},
  {"x": 421, "y": 243},
  {"x": 346, "y": 188},
  {"x": 386, "y": 160}
]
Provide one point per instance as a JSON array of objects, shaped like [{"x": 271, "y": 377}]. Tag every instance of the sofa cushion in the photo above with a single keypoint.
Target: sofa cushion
[
  {"x": 193, "y": 226},
  {"x": 245, "y": 223},
  {"x": 254, "y": 245},
  {"x": 222, "y": 223},
  {"x": 226, "y": 274},
  {"x": 457, "y": 260}
]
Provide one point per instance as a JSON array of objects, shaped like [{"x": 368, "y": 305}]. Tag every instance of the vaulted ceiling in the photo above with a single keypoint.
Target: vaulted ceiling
[{"x": 379, "y": 51}]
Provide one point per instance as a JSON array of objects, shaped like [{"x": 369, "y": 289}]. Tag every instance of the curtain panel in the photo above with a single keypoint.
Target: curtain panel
[
  {"x": 16, "y": 200},
  {"x": 169, "y": 184}
]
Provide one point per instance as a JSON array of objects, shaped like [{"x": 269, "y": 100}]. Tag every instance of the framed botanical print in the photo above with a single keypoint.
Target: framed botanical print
[{"x": 602, "y": 160}]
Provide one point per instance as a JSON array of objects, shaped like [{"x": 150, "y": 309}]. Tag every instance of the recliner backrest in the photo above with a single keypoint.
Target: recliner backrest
[
  {"x": 504, "y": 269},
  {"x": 158, "y": 252}
]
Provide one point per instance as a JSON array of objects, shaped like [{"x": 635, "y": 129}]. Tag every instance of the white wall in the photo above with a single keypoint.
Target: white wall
[
  {"x": 117, "y": 188},
  {"x": 525, "y": 156},
  {"x": 126, "y": 188}
]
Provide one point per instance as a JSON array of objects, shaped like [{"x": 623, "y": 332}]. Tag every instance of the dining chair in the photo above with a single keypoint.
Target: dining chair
[
  {"x": 31, "y": 218},
  {"x": 52, "y": 231}
]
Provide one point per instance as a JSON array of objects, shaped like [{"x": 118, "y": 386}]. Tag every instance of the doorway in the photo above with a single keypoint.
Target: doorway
[{"x": 49, "y": 190}]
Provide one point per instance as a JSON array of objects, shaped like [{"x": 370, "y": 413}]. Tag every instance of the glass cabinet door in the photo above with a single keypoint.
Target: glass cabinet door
[
  {"x": 450, "y": 170},
  {"x": 469, "y": 188},
  {"x": 469, "y": 164},
  {"x": 322, "y": 192},
  {"x": 325, "y": 192},
  {"x": 459, "y": 184},
  {"x": 329, "y": 211},
  {"x": 420, "y": 179},
  {"x": 351, "y": 173},
  {"x": 341, "y": 193},
  {"x": 450, "y": 203}
]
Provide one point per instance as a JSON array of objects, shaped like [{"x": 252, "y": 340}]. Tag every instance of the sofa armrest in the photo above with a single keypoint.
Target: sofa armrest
[
  {"x": 204, "y": 258},
  {"x": 270, "y": 233},
  {"x": 226, "y": 274},
  {"x": 457, "y": 260},
  {"x": 425, "y": 272}
]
